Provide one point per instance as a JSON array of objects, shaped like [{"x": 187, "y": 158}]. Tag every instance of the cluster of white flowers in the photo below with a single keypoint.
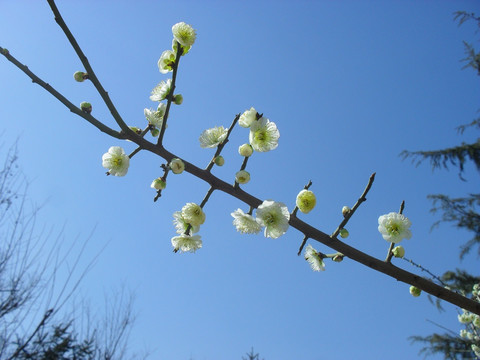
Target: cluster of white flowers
[
  {"x": 187, "y": 222},
  {"x": 272, "y": 215},
  {"x": 471, "y": 321}
]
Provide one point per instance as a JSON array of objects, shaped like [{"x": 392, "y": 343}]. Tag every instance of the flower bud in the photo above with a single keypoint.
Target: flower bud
[
  {"x": 242, "y": 177},
  {"x": 158, "y": 184},
  {"x": 80, "y": 76},
  {"x": 136, "y": 129},
  {"x": 86, "y": 107},
  {"x": 306, "y": 201},
  {"x": 178, "y": 99},
  {"x": 346, "y": 210},
  {"x": 398, "y": 251},
  {"x": 415, "y": 291},
  {"x": 344, "y": 233},
  {"x": 155, "y": 132},
  {"x": 5, "y": 51},
  {"x": 219, "y": 160},
  {"x": 245, "y": 150},
  {"x": 338, "y": 258},
  {"x": 177, "y": 166}
]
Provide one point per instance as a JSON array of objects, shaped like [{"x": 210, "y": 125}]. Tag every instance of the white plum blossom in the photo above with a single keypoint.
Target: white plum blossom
[
  {"x": 274, "y": 216},
  {"x": 245, "y": 223},
  {"x": 167, "y": 59},
  {"x": 213, "y": 137},
  {"x": 116, "y": 161},
  {"x": 247, "y": 118},
  {"x": 186, "y": 243},
  {"x": 394, "y": 227},
  {"x": 155, "y": 117},
  {"x": 183, "y": 33},
  {"x": 314, "y": 259},
  {"x": 161, "y": 91},
  {"x": 264, "y": 135},
  {"x": 242, "y": 177},
  {"x": 193, "y": 214},
  {"x": 181, "y": 225}
]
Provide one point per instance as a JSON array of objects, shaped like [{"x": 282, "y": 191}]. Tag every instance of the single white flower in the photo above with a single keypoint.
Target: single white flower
[
  {"x": 183, "y": 33},
  {"x": 158, "y": 184},
  {"x": 314, "y": 259},
  {"x": 193, "y": 214},
  {"x": 264, "y": 135},
  {"x": 213, "y": 137},
  {"x": 245, "y": 223},
  {"x": 166, "y": 61},
  {"x": 242, "y": 177},
  {"x": 274, "y": 216},
  {"x": 394, "y": 227},
  {"x": 306, "y": 201},
  {"x": 245, "y": 150},
  {"x": 247, "y": 118},
  {"x": 181, "y": 225},
  {"x": 116, "y": 161},
  {"x": 155, "y": 117},
  {"x": 177, "y": 166},
  {"x": 186, "y": 243},
  {"x": 161, "y": 91}
]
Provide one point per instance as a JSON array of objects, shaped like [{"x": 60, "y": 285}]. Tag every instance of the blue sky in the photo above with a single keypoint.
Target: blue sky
[{"x": 349, "y": 84}]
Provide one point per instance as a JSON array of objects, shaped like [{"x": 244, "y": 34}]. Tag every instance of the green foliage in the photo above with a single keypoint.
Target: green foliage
[
  {"x": 58, "y": 343},
  {"x": 463, "y": 213},
  {"x": 456, "y": 156},
  {"x": 452, "y": 346},
  {"x": 459, "y": 281}
]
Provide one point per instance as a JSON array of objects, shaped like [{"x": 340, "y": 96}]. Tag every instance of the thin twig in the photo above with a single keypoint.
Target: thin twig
[
  {"x": 35, "y": 79},
  {"x": 91, "y": 74},
  {"x": 361, "y": 199},
  {"x": 224, "y": 142}
]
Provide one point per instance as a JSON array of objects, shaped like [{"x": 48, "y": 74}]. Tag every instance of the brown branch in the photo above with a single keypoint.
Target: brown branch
[
  {"x": 91, "y": 74},
  {"x": 35, "y": 79}
]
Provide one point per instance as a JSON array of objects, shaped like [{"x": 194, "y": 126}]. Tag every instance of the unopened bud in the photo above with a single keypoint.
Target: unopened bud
[
  {"x": 155, "y": 132},
  {"x": 135, "y": 129},
  {"x": 398, "y": 251},
  {"x": 177, "y": 166},
  {"x": 158, "y": 184},
  {"x": 338, "y": 258},
  {"x": 242, "y": 177},
  {"x": 245, "y": 150},
  {"x": 344, "y": 233},
  {"x": 86, "y": 107},
  {"x": 219, "y": 160},
  {"x": 346, "y": 210},
  {"x": 415, "y": 291},
  {"x": 178, "y": 99},
  {"x": 80, "y": 76}
]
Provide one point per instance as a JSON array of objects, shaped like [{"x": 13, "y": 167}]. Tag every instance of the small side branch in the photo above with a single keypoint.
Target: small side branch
[
  {"x": 348, "y": 215},
  {"x": 35, "y": 79},
  {"x": 93, "y": 78}
]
